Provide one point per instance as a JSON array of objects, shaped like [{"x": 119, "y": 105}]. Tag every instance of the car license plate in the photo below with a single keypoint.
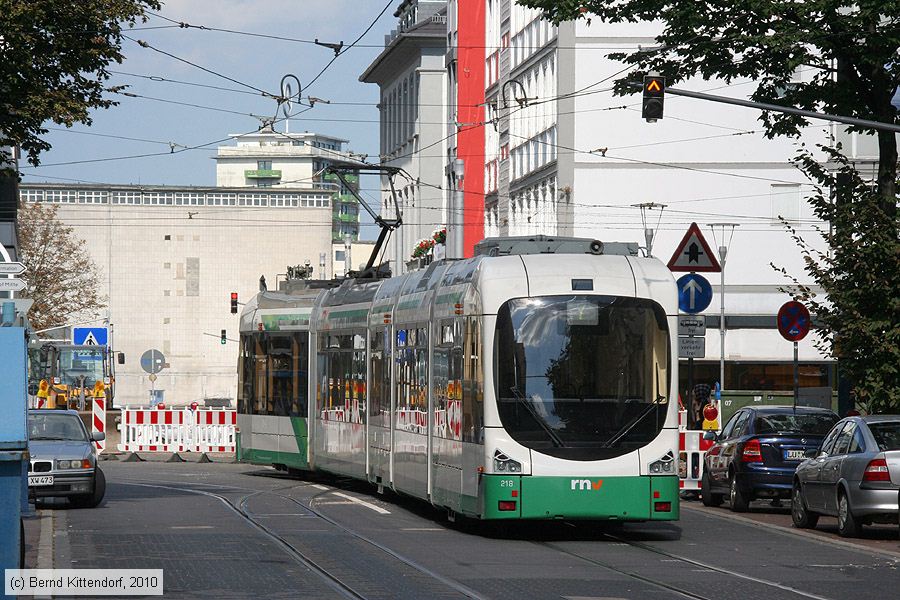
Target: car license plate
[
  {"x": 39, "y": 480},
  {"x": 793, "y": 455}
]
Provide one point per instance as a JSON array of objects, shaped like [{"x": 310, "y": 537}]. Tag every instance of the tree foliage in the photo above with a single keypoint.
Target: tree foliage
[
  {"x": 849, "y": 48},
  {"x": 62, "y": 278},
  {"x": 859, "y": 318},
  {"x": 55, "y": 58}
]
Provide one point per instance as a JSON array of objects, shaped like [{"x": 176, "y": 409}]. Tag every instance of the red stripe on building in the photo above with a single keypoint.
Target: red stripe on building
[{"x": 470, "y": 52}]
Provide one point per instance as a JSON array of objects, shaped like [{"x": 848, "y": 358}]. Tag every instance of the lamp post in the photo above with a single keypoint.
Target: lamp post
[{"x": 723, "y": 253}]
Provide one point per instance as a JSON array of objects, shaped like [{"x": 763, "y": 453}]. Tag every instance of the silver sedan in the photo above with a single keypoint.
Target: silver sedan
[{"x": 854, "y": 475}]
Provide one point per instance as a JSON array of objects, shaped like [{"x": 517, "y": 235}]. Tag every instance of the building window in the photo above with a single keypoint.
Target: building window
[{"x": 264, "y": 165}]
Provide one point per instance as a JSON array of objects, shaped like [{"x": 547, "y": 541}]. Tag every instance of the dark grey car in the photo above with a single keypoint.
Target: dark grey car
[
  {"x": 63, "y": 458},
  {"x": 854, "y": 476}
]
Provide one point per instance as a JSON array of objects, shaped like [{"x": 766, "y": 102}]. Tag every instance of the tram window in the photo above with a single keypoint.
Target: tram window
[
  {"x": 280, "y": 374},
  {"x": 578, "y": 382},
  {"x": 260, "y": 363},
  {"x": 412, "y": 379},
  {"x": 342, "y": 380},
  {"x": 473, "y": 383},
  {"x": 380, "y": 364}
]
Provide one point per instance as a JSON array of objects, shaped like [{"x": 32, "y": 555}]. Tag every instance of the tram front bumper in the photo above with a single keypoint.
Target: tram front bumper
[{"x": 639, "y": 498}]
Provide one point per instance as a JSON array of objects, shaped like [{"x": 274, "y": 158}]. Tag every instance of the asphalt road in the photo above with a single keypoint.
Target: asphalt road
[{"x": 237, "y": 531}]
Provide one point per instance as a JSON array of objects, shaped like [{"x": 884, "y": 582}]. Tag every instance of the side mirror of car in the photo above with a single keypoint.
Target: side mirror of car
[
  {"x": 98, "y": 436},
  {"x": 711, "y": 436},
  {"x": 811, "y": 453}
]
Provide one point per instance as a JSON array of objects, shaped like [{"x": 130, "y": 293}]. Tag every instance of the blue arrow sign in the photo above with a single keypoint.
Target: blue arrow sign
[
  {"x": 90, "y": 336},
  {"x": 694, "y": 293}
]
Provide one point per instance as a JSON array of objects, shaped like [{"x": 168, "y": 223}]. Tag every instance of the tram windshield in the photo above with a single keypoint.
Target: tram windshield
[{"x": 582, "y": 377}]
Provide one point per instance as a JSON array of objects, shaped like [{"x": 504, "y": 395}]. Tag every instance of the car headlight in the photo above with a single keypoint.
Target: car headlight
[
  {"x": 664, "y": 466},
  {"x": 504, "y": 464},
  {"x": 74, "y": 464}
]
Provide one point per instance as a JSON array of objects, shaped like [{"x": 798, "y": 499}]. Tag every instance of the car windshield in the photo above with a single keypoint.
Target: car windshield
[
  {"x": 582, "y": 377},
  {"x": 65, "y": 427},
  {"x": 809, "y": 424},
  {"x": 886, "y": 434}
]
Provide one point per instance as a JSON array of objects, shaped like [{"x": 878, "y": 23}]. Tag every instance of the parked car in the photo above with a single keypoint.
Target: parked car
[
  {"x": 757, "y": 452},
  {"x": 63, "y": 458},
  {"x": 854, "y": 476}
]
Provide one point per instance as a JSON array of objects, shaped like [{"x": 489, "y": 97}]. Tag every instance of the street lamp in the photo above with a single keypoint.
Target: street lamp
[{"x": 723, "y": 253}]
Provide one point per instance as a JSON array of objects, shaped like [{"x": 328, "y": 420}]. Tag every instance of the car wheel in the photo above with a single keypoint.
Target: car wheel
[
  {"x": 707, "y": 496},
  {"x": 848, "y": 525},
  {"x": 94, "y": 499},
  {"x": 800, "y": 515},
  {"x": 739, "y": 502}
]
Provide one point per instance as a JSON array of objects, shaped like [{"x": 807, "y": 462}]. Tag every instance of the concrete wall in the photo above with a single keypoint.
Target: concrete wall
[{"x": 168, "y": 279}]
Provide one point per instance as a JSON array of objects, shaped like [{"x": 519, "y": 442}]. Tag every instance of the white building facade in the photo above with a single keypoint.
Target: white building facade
[
  {"x": 170, "y": 257},
  {"x": 411, "y": 76}
]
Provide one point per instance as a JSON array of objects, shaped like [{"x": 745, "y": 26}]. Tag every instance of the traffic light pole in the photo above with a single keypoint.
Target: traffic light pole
[{"x": 785, "y": 109}]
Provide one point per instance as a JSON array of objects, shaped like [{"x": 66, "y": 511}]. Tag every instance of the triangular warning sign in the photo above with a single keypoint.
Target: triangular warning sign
[
  {"x": 90, "y": 340},
  {"x": 694, "y": 254}
]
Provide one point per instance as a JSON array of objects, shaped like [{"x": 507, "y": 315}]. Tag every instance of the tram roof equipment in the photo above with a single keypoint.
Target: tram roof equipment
[{"x": 543, "y": 244}]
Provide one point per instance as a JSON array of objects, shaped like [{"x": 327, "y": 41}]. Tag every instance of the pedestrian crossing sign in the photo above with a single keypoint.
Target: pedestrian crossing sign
[{"x": 90, "y": 336}]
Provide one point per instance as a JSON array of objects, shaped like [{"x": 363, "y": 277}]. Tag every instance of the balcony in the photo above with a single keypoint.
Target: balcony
[{"x": 262, "y": 173}]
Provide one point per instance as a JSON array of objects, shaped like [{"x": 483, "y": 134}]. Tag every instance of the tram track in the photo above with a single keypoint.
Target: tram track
[
  {"x": 681, "y": 591},
  {"x": 335, "y": 582}
]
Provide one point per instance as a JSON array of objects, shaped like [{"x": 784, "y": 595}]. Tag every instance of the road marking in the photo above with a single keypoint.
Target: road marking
[
  {"x": 377, "y": 509},
  {"x": 192, "y": 527},
  {"x": 423, "y": 529},
  {"x": 320, "y": 487}
]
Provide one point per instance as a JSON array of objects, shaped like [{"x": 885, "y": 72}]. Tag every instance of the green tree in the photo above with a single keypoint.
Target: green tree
[
  {"x": 859, "y": 320},
  {"x": 62, "y": 279},
  {"x": 54, "y": 66},
  {"x": 852, "y": 49}
]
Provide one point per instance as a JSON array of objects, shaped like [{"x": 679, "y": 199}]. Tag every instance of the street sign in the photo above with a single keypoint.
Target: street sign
[
  {"x": 694, "y": 254},
  {"x": 694, "y": 293},
  {"x": 691, "y": 325},
  {"x": 691, "y": 347},
  {"x": 11, "y": 284},
  {"x": 90, "y": 336},
  {"x": 11, "y": 268},
  {"x": 152, "y": 361},
  {"x": 793, "y": 321}
]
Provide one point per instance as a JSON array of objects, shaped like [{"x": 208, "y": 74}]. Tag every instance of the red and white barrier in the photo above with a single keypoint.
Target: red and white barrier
[
  {"x": 691, "y": 455},
  {"x": 177, "y": 430},
  {"x": 98, "y": 420}
]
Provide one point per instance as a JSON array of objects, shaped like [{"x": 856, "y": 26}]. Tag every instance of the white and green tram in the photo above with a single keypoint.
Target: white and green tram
[{"x": 536, "y": 380}]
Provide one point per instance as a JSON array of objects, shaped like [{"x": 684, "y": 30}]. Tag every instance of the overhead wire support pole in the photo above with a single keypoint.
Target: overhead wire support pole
[{"x": 784, "y": 109}]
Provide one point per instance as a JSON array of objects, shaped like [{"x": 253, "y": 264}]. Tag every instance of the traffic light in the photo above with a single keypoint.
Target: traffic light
[
  {"x": 234, "y": 303},
  {"x": 223, "y": 339},
  {"x": 654, "y": 94}
]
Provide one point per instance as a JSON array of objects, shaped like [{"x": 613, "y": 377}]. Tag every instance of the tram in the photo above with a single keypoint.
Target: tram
[{"x": 535, "y": 380}]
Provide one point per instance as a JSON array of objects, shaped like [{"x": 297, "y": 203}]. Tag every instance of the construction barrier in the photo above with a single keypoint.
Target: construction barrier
[
  {"x": 98, "y": 420},
  {"x": 691, "y": 454},
  {"x": 177, "y": 430}
]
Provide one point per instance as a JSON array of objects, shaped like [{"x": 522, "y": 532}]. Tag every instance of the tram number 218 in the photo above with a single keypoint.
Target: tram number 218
[{"x": 507, "y": 483}]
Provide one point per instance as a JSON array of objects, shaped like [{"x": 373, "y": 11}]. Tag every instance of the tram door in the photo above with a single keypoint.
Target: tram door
[
  {"x": 379, "y": 439},
  {"x": 446, "y": 458}
]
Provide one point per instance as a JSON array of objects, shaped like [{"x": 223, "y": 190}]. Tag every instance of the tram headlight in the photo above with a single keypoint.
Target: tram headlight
[
  {"x": 504, "y": 464},
  {"x": 664, "y": 466}
]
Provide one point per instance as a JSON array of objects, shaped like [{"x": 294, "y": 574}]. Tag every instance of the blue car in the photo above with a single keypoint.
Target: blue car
[{"x": 758, "y": 451}]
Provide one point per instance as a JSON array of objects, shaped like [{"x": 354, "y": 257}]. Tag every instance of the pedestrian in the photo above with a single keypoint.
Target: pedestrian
[{"x": 699, "y": 399}]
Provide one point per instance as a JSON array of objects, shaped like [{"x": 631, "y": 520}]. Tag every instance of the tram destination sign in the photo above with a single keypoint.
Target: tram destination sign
[
  {"x": 691, "y": 347},
  {"x": 691, "y": 325}
]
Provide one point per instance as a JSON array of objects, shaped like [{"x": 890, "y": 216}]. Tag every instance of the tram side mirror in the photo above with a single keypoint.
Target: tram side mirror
[
  {"x": 711, "y": 436},
  {"x": 120, "y": 358},
  {"x": 811, "y": 453}
]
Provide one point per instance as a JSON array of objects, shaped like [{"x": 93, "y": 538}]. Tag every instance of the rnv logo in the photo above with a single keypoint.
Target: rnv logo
[{"x": 586, "y": 484}]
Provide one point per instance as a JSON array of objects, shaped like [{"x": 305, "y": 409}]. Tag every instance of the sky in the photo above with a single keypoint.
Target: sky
[{"x": 254, "y": 62}]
